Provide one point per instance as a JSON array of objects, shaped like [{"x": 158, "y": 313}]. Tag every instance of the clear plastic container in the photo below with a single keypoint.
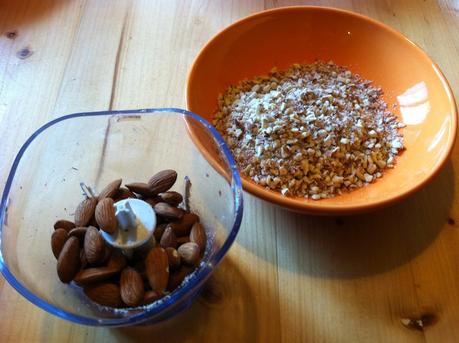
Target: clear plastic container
[{"x": 96, "y": 148}]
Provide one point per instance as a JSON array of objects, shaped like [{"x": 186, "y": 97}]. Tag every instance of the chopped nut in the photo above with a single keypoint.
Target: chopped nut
[{"x": 312, "y": 131}]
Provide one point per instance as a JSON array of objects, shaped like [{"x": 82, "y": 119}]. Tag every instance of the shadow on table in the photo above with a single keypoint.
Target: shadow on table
[
  {"x": 354, "y": 246},
  {"x": 222, "y": 311},
  {"x": 20, "y": 14}
]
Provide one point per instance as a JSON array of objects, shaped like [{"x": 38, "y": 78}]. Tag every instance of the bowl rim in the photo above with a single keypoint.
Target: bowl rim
[
  {"x": 317, "y": 207},
  {"x": 194, "y": 280}
]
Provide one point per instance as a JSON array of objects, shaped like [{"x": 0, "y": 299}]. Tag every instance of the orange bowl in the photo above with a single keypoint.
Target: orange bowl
[{"x": 409, "y": 78}]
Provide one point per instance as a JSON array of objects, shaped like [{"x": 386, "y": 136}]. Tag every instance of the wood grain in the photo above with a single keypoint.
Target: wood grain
[{"x": 289, "y": 277}]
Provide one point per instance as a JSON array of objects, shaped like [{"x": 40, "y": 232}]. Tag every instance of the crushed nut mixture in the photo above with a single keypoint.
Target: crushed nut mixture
[{"x": 312, "y": 131}]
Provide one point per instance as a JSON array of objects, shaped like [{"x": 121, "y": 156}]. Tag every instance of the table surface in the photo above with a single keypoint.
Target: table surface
[{"x": 289, "y": 277}]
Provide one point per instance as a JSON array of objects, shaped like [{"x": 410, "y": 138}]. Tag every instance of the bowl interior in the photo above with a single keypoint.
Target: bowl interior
[
  {"x": 96, "y": 148},
  {"x": 281, "y": 37}
]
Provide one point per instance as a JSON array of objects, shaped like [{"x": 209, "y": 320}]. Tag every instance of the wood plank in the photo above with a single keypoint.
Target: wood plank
[
  {"x": 289, "y": 277},
  {"x": 30, "y": 82}
]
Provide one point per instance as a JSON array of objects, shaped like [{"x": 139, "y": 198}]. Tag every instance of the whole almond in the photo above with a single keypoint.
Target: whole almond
[
  {"x": 171, "y": 197},
  {"x": 151, "y": 296},
  {"x": 93, "y": 275},
  {"x": 68, "y": 262},
  {"x": 85, "y": 211},
  {"x": 173, "y": 258},
  {"x": 110, "y": 190},
  {"x": 198, "y": 236},
  {"x": 105, "y": 216},
  {"x": 157, "y": 268},
  {"x": 131, "y": 287},
  {"x": 106, "y": 294},
  {"x": 182, "y": 240},
  {"x": 168, "y": 239},
  {"x": 177, "y": 277},
  {"x": 117, "y": 261},
  {"x": 78, "y": 232},
  {"x": 140, "y": 188},
  {"x": 67, "y": 225},
  {"x": 123, "y": 193},
  {"x": 58, "y": 239},
  {"x": 183, "y": 226},
  {"x": 94, "y": 245},
  {"x": 189, "y": 253},
  {"x": 168, "y": 212},
  {"x": 162, "y": 181}
]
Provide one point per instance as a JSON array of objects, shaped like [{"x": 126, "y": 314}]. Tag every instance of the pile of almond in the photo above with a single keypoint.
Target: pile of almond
[{"x": 109, "y": 277}]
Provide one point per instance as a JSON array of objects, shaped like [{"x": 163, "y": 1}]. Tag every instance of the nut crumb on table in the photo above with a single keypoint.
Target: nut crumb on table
[{"x": 312, "y": 131}]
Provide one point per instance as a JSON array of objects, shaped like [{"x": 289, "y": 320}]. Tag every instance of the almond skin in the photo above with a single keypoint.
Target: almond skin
[
  {"x": 173, "y": 258},
  {"x": 105, "y": 216},
  {"x": 117, "y": 261},
  {"x": 67, "y": 225},
  {"x": 189, "y": 253},
  {"x": 159, "y": 230},
  {"x": 139, "y": 266},
  {"x": 58, "y": 239},
  {"x": 68, "y": 262},
  {"x": 183, "y": 226},
  {"x": 107, "y": 254},
  {"x": 123, "y": 193},
  {"x": 85, "y": 211},
  {"x": 93, "y": 275},
  {"x": 141, "y": 252},
  {"x": 162, "y": 181},
  {"x": 131, "y": 287},
  {"x": 168, "y": 212},
  {"x": 94, "y": 245},
  {"x": 198, "y": 236},
  {"x": 183, "y": 240},
  {"x": 151, "y": 296},
  {"x": 106, "y": 294},
  {"x": 153, "y": 201},
  {"x": 157, "y": 269},
  {"x": 177, "y": 277},
  {"x": 168, "y": 238},
  {"x": 140, "y": 188},
  {"x": 171, "y": 197},
  {"x": 110, "y": 190},
  {"x": 93, "y": 221},
  {"x": 78, "y": 232},
  {"x": 83, "y": 260}
]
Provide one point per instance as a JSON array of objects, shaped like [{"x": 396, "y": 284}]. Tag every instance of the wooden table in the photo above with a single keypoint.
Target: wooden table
[{"x": 288, "y": 277}]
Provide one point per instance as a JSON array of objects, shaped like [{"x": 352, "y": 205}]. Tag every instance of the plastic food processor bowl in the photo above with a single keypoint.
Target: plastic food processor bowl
[{"x": 96, "y": 148}]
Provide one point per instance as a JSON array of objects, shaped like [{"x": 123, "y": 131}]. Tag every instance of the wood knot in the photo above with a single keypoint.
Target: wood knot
[
  {"x": 24, "y": 53},
  {"x": 11, "y": 34},
  {"x": 421, "y": 323},
  {"x": 451, "y": 221}
]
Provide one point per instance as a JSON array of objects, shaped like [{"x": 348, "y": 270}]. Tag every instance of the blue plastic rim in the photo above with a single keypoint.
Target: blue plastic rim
[{"x": 194, "y": 280}]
